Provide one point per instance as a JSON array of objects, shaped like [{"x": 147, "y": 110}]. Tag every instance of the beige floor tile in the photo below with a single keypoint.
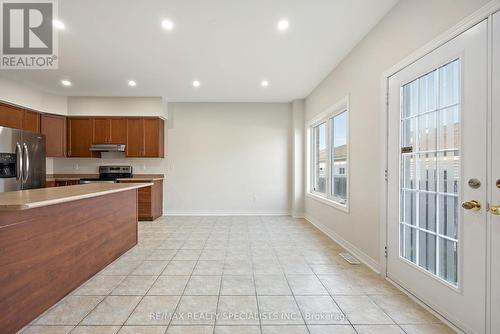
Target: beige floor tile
[
  {"x": 209, "y": 268},
  {"x": 150, "y": 268},
  {"x": 99, "y": 286},
  {"x": 272, "y": 285},
  {"x": 162, "y": 255},
  {"x": 427, "y": 329},
  {"x": 69, "y": 311},
  {"x": 362, "y": 310},
  {"x": 306, "y": 285},
  {"x": 196, "y": 310},
  {"x": 203, "y": 286},
  {"x": 212, "y": 255},
  {"x": 288, "y": 329},
  {"x": 242, "y": 285},
  {"x": 134, "y": 285},
  {"x": 333, "y": 329},
  {"x": 320, "y": 310},
  {"x": 113, "y": 310},
  {"x": 121, "y": 268},
  {"x": 179, "y": 268},
  {"x": 169, "y": 285},
  {"x": 267, "y": 268},
  {"x": 154, "y": 310},
  {"x": 237, "y": 267},
  {"x": 341, "y": 285},
  {"x": 143, "y": 330},
  {"x": 237, "y": 310},
  {"x": 296, "y": 269},
  {"x": 187, "y": 255},
  {"x": 171, "y": 244},
  {"x": 279, "y": 310},
  {"x": 326, "y": 269},
  {"x": 47, "y": 330},
  {"x": 190, "y": 329},
  {"x": 378, "y": 329},
  {"x": 403, "y": 310},
  {"x": 237, "y": 330},
  {"x": 95, "y": 330}
]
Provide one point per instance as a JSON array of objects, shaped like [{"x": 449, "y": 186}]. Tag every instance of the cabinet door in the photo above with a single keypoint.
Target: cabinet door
[
  {"x": 153, "y": 138},
  {"x": 135, "y": 137},
  {"x": 31, "y": 121},
  {"x": 79, "y": 137},
  {"x": 11, "y": 117},
  {"x": 54, "y": 129},
  {"x": 101, "y": 131},
  {"x": 118, "y": 130}
]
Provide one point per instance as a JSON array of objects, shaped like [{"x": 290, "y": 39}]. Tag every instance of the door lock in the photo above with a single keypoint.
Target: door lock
[{"x": 471, "y": 205}]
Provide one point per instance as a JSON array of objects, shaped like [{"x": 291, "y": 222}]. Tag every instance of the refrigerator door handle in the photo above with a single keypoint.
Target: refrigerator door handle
[
  {"x": 19, "y": 163},
  {"x": 26, "y": 159}
]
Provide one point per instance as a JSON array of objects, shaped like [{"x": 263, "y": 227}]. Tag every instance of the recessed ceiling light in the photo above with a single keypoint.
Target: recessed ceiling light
[
  {"x": 196, "y": 83},
  {"x": 58, "y": 24},
  {"x": 66, "y": 83},
  {"x": 167, "y": 24},
  {"x": 132, "y": 83},
  {"x": 283, "y": 25},
  {"x": 264, "y": 83}
]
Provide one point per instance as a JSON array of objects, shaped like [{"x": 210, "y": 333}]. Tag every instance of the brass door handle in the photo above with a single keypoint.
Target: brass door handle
[
  {"x": 495, "y": 210},
  {"x": 471, "y": 205}
]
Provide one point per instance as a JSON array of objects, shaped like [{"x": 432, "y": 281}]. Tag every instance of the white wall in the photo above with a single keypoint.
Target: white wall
[
  {"x": 231, "y": 158},
  {"x": 116, "y": 106},
  {"x": 408, "y": 26}
]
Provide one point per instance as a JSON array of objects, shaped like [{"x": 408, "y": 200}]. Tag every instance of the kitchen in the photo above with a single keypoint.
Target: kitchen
[{"x": 201, "y": 167}]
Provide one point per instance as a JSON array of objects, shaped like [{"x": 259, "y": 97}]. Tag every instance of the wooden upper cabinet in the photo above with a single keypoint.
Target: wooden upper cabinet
[
  {"x": 118, "y": 131},
  {"x": 54, "y": 129},
  {"x": 145, "y": 137},
  {"x": 11, "y": 117},
  {"x": 19, "y": 118},
  {"x": 31, "y": 121},
  {"x": 153, "y": 138},
  {"x": 100, "y": 130},
  {"x": 80, "y": 134},
  {"x": 135, "y": 137}
]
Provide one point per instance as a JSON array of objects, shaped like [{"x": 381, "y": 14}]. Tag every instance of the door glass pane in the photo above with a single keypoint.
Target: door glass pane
[
  {"x": 339, "y": 157},
  {"x": 448, "y": 260},
  {"x": 320, "y": 158},
  {"x": 430, "y": 171}
]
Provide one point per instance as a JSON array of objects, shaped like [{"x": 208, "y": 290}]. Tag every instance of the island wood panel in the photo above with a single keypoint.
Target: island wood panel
[
  {"x": 150, "y": 199},
  {"x": 49, "y": 251}
]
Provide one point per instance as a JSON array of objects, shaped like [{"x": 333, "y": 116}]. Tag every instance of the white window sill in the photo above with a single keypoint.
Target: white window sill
[{"x": 328, "y": 202}]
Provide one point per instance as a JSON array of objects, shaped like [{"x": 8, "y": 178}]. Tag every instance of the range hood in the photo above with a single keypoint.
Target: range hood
[{"x": 108, "y": 148}]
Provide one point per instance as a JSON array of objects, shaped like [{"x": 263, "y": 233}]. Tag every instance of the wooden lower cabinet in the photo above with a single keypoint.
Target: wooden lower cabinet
[{"x": 150, "y": 200}]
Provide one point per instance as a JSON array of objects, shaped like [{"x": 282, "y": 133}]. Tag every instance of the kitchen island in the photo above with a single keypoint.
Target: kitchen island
[{"x": 54, "y": 239}]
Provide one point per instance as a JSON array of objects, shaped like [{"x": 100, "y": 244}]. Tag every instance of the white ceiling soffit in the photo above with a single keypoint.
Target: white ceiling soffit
[{"x": 229, "y": 46}]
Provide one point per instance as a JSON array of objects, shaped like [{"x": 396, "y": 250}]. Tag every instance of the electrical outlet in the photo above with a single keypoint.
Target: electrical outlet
[{"x": 76, "y": 167}]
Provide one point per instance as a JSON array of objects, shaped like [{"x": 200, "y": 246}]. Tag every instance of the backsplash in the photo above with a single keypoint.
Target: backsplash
[{"x": 91, "y": 166}]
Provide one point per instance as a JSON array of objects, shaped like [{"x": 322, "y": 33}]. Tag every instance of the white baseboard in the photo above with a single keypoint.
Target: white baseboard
[
  {"x": 298, "y": 215},
  {"x": 173, "y": 213},
  {"x": 362, "y": 256}
]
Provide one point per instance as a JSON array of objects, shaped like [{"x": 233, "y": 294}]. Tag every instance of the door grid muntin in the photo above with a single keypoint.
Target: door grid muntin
[{"x": 430, "y": 171}]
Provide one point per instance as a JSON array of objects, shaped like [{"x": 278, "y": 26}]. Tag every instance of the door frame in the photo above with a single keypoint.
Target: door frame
[{"x": 484, "y": 13}]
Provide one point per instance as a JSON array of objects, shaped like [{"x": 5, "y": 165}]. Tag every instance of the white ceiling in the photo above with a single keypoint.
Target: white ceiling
[{"x": 230, "y": 46}]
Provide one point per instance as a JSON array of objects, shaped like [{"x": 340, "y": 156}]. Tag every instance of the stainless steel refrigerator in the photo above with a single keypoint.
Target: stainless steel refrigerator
[{"x": 22, "y": 160}]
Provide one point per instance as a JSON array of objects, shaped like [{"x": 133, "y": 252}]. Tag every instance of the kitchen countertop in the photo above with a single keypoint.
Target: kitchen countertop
[
  {"x": 34, "y": 198},
  {"x": 72, "y": 177}
]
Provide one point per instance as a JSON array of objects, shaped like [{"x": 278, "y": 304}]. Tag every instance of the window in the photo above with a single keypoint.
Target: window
[{"x": 328, "y": 156}]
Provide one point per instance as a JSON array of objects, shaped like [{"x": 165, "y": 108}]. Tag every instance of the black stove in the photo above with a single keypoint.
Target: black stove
[{"x": 109, "y": 174}]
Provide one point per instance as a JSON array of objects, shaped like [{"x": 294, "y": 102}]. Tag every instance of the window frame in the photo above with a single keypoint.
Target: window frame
[{"x": 327, "y": 117}]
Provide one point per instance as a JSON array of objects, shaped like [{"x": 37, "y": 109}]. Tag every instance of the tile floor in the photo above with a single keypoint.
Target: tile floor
[{"x": 235, "y": 275}]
